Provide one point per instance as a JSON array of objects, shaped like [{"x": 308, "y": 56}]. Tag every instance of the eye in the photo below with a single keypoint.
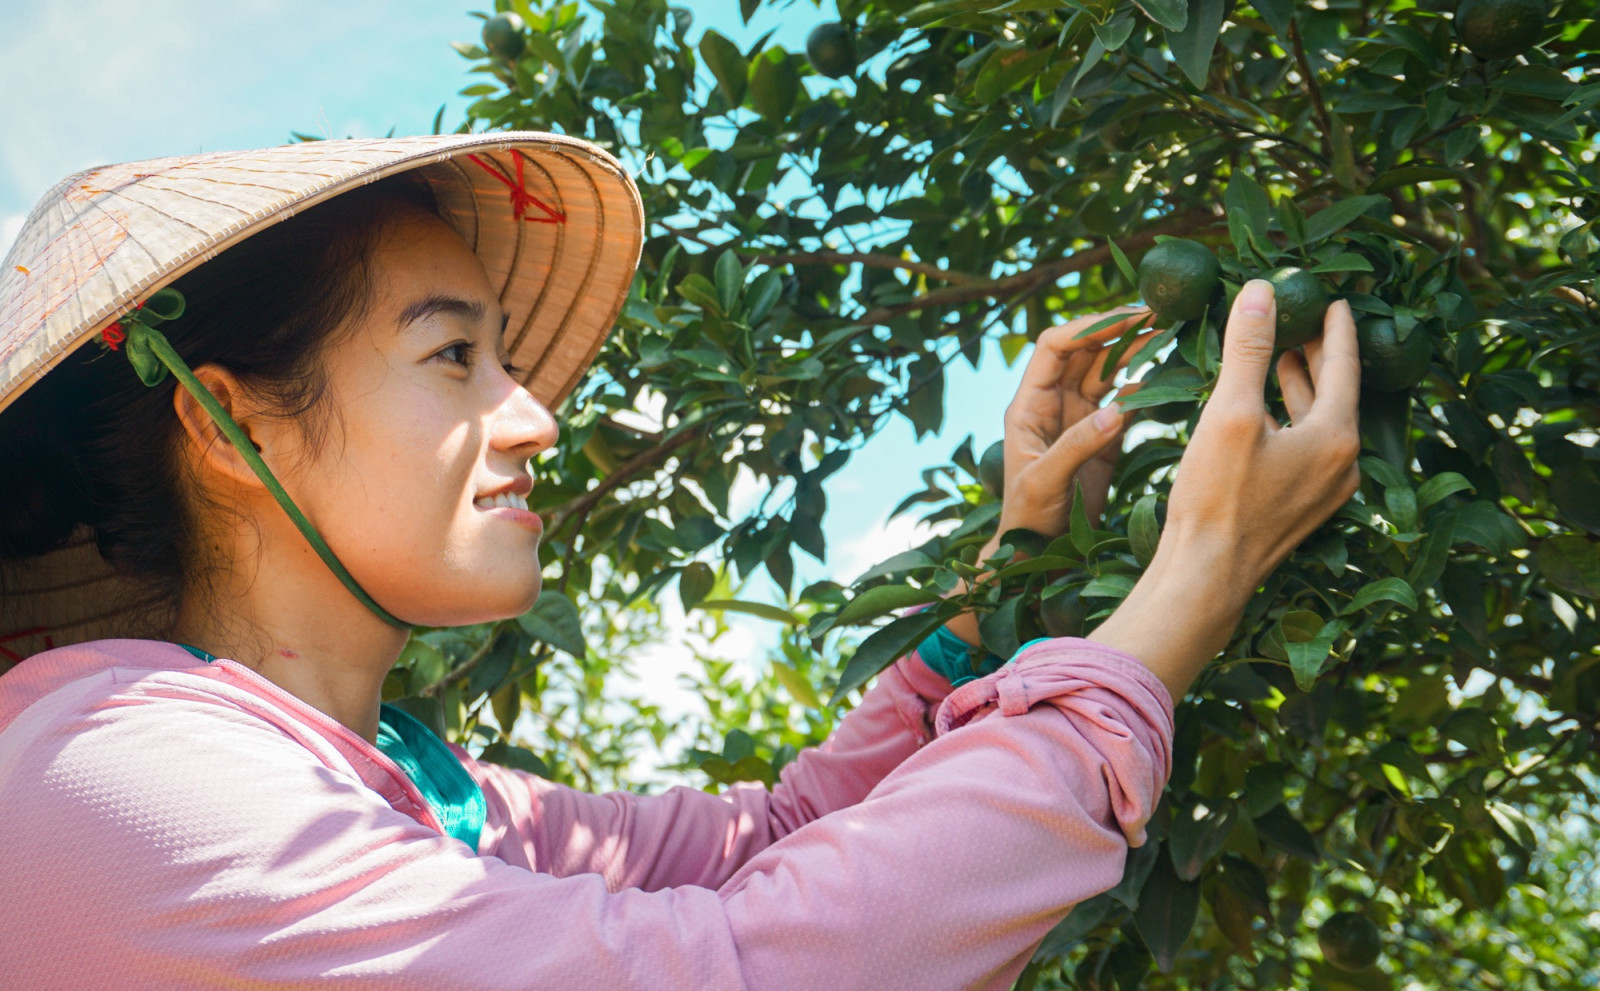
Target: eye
[{"x": 459, "y": 353}]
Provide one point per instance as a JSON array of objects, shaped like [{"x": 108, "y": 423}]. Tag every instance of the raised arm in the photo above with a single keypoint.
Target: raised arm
[
  {"x": 182, "y": 841},
  {"x": 688, "y": 837}
]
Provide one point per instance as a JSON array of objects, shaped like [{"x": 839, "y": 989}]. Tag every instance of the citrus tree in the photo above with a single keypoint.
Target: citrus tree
[{"x": 1381, "y": 782}]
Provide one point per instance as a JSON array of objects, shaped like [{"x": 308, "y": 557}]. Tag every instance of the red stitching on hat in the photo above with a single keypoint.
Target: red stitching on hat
[
  {"x": 114, "y": 335},
  {"x": 521, "y": 199},
  {"x": 49, "y": 641}
]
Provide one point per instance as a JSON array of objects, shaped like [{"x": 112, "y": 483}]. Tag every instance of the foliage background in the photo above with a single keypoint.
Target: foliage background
[{"x": 1404, "y": 723}]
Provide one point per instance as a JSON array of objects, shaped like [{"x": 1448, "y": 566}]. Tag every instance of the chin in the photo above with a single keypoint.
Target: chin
[{"x": 466, "y": 604}]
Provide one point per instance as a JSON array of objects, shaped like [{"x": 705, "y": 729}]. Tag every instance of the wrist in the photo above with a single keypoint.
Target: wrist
[{"x": 1180, "y": 614}]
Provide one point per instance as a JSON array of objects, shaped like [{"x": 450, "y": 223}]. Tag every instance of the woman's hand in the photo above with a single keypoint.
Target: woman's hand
[
  {"x": 1057, "y": 433},
  {"x": 1248, "y": 490}
]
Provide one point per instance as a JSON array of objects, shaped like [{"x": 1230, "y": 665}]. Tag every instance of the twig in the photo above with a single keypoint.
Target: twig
[
  {"x": 1310, "y": 77},
  {"x": 620, "y": 475},
  {"x": 1035, "y": 277},
  {"x": 868, "y": 258}
]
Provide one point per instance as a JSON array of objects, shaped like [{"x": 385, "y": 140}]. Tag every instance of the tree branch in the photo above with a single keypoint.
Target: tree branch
[
  {"x": 868, "y": 258},
  {"x": 1037, "y": 276},
  {"x": 1318, "y": 107},
  {"x": 620, "y": 475}
]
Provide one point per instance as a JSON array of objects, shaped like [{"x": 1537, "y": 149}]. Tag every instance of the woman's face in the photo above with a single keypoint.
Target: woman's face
[{"x": 421, "y": 484}]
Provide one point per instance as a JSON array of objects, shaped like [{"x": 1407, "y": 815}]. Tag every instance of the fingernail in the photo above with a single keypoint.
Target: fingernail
[
  {"x": 1256, "y": 297},
  {"x": 1107, "y": 417}
]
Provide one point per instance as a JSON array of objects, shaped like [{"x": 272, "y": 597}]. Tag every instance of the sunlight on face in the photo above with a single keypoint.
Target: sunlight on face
[{"x": 421, "y": 488}]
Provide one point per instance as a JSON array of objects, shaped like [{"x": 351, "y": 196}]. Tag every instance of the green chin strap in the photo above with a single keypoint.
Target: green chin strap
[{"x": 152, "y": 357}]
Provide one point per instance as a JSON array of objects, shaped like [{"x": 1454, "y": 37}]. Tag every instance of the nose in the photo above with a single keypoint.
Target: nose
[{"x": 523, "y": 427}]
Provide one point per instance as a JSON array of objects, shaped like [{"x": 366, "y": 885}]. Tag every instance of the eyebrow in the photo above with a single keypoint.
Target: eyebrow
[{"x": 438, "y": 303}]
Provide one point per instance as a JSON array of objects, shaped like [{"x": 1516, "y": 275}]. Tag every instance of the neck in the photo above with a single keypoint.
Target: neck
[{"x": 305, "y": 633}]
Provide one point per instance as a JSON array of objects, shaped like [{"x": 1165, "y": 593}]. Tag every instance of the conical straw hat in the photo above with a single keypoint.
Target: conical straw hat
[{"x": 556, "y": 221}]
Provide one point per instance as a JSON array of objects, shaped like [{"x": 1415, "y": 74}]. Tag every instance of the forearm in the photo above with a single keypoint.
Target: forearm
[{"x": 1181, "y": 612}]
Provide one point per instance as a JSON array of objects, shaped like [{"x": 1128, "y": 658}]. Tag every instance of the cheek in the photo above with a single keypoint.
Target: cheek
[{"x": 401, "y": 466}]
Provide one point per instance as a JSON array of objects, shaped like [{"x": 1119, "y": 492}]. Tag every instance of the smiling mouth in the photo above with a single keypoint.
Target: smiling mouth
[{"x": 505, "y": 500}]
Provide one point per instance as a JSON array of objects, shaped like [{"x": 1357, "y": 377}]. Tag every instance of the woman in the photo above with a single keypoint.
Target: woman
[{"x": 335, "y": 445}]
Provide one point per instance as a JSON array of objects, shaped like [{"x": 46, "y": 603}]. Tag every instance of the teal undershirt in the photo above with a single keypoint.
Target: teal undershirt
[
  {"x": 455, "y": 798},
  {"x": 957, "y": 660}
]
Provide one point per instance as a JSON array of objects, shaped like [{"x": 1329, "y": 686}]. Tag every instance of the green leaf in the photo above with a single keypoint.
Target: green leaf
[
  {"x": 1277, "y": 13},
  {"x": 774, "y": 85},
  {"x": 1123, "y": 265},
  {"x": 758, "y": 609},
  {"x": 1441, "y": 485},
  {"x": 875, "y": 602},
  {"x": 1143, "y": 529},
  {"x": 1571, "y": 563},
  {"x": 1244, "y": 196},
  {"x": 730, "y": 280},
  {"x": 901, "y": 562},
  {"x": 695, "y": 583},
  {"x": 1306, "y": 658},
  {"x": 998, "y": 629},
  {"x": 1079, "y": 531},
  {"x": 700, "y": 291},
  {"x": 554, "y": 620},
  {"x": 1109, "y": 586},
  {"x": 1193, "y": 45},
  {"x": 1157, "y": 395},
  {"x": 1166, "y": 913},
  {"x": 797, "y": 685},
  {"x": 726, "y": 64},
  {"x": 1199, "y": 831},
  {"x": 764, "y": 293},
  {"x": 1280, "y": 828},
  {"x": 515, "y": 757},
  {"x": 1170, "y": 14},
  {"x": 882, "y": 649},
  {"x": 1382, "y": 590},
  {"x": 1434, "y": 552},
  {"x": 1329, "y": 221}
]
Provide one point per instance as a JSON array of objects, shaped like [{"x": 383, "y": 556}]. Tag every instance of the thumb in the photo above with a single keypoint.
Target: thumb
[
  {"x": 1076, "y": 445},
  {"x": 1247, "y": 346}
]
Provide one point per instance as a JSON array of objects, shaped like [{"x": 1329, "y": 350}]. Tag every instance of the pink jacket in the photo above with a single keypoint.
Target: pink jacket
[{"x": 170, "y": 824}]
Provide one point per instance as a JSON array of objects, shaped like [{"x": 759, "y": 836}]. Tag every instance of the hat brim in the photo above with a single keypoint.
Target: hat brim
[{"x": 102, "y": 241}]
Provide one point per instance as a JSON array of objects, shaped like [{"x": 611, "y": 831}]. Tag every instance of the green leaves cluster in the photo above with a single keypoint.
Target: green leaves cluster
[{"x": 1409, "y": 703}]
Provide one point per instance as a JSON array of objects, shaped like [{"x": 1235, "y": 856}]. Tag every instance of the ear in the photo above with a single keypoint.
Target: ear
[{"x": 209, "y": 447}]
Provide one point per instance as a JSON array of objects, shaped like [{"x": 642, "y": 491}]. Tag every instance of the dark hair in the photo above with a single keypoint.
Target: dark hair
[{"x": 91, "y": 445}]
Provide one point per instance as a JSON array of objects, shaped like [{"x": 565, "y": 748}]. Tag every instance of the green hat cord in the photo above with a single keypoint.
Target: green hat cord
[{"x": 152, "y": 357}]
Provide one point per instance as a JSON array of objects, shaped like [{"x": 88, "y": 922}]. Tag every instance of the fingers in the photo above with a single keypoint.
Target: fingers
[
  {"x": 1338, "y": 379},
  {"x": 1096, "y": 383},
  {"x": 1056, "y": 345},
  {"x": 1247, "y": 348},
  {"x": 1298, "y": 392},
  {"x": 1053, "y": 471}
]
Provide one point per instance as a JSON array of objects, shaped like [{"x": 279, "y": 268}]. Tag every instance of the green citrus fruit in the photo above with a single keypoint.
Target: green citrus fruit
[
  {"x": 831, "y": 48},
  {"x": 1063, "y": 614},
  {"x": 1177, "y": 279},
  {"x": 1350, "y": 941},
  {"x": 502, "y": 35},
  {"x": 1389, "y": 364},
  {"x": 992, "y": 469},
  {"x": 1302, "y": 302},
  {"x": 1499, "y": 28}
]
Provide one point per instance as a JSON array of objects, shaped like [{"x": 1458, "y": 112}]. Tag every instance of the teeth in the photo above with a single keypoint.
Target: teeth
[{"x": 505, "y": 500}]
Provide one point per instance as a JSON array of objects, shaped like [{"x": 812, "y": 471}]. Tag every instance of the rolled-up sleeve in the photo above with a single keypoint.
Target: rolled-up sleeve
[{"x": 179, "y": 844}]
